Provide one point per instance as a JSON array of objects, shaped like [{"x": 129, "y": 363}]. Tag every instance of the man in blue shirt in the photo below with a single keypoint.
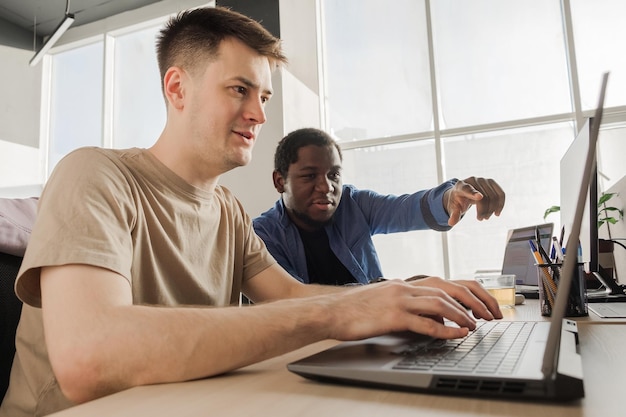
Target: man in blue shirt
[{"x": 320, "y": 230}]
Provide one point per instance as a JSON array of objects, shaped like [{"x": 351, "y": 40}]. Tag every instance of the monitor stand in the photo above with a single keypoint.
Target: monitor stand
[{"x": 611, "y": 292}]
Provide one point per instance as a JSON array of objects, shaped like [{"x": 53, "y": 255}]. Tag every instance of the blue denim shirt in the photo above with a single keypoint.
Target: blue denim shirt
[{"x": 359, "y": 215}]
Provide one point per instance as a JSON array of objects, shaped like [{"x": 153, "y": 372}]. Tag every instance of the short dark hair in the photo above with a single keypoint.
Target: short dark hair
[
  {"x": 195, "y": 35},
  {"x": 287, "y": 149}
]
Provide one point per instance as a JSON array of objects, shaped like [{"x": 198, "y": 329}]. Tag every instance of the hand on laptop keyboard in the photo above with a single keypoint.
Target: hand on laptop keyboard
[
  {"x": 418, "y": 306},
  {"x": 470, "y": 294}
]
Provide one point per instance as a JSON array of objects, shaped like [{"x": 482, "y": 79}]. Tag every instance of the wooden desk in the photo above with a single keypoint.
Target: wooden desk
[{"x": 268, "y": 389}]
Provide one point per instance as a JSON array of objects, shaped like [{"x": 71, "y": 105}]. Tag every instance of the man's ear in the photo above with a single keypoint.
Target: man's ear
[
  {"x": 279, "y": 181},
  {"x": 172, "y": 87}
]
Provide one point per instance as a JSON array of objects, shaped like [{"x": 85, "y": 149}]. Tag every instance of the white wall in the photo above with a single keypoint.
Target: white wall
[
  {"x": 20, "y": 100},
  {"x": 295, "y": 104},
  {"x": 611, "y": 153},
  {"x": 252, "y": 184},
  {"x": 617, "y": 230},
  {"x": 301, "y": 95}
]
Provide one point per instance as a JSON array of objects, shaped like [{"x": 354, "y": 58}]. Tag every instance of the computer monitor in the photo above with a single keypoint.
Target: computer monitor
[{"x": 572, "y": 165}]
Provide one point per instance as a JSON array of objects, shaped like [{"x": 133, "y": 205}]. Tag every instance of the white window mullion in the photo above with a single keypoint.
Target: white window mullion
[
  {"x": 441, "y": 163},
  {"x": 108, "y": 91},
  {"x": 45, "y": 118},
  {"x": 572, "y": 66},
  {"x": 321, "y": 65}
]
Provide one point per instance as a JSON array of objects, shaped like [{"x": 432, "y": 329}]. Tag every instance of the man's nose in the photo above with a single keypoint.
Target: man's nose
[
  {"x": 325, "y": 185},
  {"x": 255, "y": 111}
]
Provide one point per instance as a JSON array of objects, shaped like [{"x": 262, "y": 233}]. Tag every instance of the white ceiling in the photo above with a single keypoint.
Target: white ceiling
[{"x": 19, "y": 16}]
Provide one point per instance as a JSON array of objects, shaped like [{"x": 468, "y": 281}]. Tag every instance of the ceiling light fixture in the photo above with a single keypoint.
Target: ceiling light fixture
[{"x": 58, "y": 32}]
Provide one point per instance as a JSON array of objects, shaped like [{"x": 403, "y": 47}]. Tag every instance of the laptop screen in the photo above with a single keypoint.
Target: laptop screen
[{"x": 518, "y": 259}]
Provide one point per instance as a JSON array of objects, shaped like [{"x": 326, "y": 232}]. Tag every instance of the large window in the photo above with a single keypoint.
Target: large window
[
  {"x": 378, "y": 66},
  {"x": 76, "y": 104},
  {"x": 104, "y": 84},
  {"x": 86, "y": 114},
  {"x": 394, "y": 169},
  {"x": 522, "y": 161},
  {"x": 495, "y": 59},
  {"x": 418, "y": 92},
  {"x": 599, "y": 34},
  {"x": 137, "y": 86}
]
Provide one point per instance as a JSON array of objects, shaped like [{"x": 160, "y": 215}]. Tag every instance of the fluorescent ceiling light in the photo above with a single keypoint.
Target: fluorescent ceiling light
[{"x": 58, "y": 32}]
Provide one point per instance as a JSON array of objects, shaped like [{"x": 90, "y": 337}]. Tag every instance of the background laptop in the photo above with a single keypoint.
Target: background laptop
[
  {"x": 549, "y": 366},
  {"x": 518, "y": 259}
]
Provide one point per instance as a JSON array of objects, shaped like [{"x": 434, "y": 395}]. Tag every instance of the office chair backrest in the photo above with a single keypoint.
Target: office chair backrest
[
  {"x": 10, "y": 310},
  {"x": 17, "y": 217}
]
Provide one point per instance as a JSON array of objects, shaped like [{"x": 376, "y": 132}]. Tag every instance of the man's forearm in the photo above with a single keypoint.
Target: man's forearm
[{"x": 138, "y": 345}]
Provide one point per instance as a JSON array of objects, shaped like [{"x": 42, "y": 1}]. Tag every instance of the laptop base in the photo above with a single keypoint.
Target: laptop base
[{"x": 604, "y": 297}]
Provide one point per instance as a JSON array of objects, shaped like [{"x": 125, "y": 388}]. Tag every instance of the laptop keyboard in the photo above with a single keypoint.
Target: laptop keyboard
[{"x": 493, "y": 347}]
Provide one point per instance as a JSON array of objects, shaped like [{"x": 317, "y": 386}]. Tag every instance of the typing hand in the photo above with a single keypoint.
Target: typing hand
[
  {"x": 418, "y": 306},
  {"x": 484, "y": 193},
  {"x": 469, "y": 293}
]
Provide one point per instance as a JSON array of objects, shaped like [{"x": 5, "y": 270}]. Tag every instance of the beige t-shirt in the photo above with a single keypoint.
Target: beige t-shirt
[{"x": 125, "y": 211}]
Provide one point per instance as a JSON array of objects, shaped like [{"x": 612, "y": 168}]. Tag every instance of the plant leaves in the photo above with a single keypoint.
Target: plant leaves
[
  {"x": 605, "y": 197},
  {"x": 552, "y": 209}
]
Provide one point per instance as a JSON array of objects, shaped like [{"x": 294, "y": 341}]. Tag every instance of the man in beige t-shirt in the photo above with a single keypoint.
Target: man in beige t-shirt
[{"x": 137, "y": 257}]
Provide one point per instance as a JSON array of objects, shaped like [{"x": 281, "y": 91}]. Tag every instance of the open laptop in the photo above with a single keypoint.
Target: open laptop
[
  {"x": 541, "y": 360},
  {"x": 518, "y": 259},
  {"x": 609, "y": 310}
]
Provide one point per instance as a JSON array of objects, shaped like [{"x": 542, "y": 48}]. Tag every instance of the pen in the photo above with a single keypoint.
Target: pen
[
  {"x": 543, "y": 255},
  {"x": 542, "y": 251},
  {"x": 580, "y": 252},
  {"x": 535, "y": 252},
  {"x": 558, "y": 255},
  {"x": 548, "y": 284}
]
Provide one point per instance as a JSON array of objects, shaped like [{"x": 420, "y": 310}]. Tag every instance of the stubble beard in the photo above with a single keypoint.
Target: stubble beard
[{"x": 315, "y": 224}]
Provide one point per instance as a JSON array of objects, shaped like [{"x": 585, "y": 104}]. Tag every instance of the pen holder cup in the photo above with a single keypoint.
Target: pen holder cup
[{"x": 548, "y": 279}]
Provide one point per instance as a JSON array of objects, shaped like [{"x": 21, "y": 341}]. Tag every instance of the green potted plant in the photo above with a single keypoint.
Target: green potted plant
[{"x": 605, "y": 213}]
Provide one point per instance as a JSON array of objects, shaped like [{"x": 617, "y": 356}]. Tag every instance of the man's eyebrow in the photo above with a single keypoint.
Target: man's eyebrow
[
  {"x": 248, "y": 83},
  {"x": 316, "y": 168}
]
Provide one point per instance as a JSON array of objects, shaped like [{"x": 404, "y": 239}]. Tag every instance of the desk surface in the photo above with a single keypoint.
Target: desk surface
[{"x": 267, "y": 388}]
